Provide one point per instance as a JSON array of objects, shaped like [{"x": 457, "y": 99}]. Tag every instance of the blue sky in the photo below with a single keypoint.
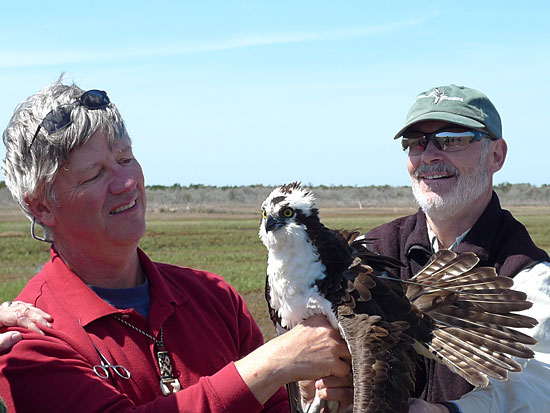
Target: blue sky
[{"x": 258, "y": 92}]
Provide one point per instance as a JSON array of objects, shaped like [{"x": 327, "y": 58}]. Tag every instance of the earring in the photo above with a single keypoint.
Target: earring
[{"x": 33, "y": 234}]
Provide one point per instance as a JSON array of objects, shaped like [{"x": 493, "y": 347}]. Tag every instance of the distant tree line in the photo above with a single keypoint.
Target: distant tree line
[
  {"x": 327, "y": 196},
  {"x": 177, "y": 197}
]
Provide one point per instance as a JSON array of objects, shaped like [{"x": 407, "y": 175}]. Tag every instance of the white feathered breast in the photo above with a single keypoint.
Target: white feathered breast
[{"x": 293, "y": 266}]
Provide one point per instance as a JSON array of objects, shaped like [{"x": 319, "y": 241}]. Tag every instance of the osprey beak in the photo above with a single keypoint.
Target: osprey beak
[{"x": 271, "y": 224}]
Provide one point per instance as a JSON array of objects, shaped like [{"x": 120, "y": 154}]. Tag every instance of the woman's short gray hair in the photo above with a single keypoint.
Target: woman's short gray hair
[{"x": 30, "y": 167}]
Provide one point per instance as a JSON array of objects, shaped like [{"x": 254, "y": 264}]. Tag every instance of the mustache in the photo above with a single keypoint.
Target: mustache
[{"x": 440, "y": 167}]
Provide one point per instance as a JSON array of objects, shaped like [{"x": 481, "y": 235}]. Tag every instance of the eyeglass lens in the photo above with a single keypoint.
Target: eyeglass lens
[
  {"x": 57, "y": 118},
  {"x": 94, "y": 99},
  {"x": 446, "y": 140},
  {"x": 60, "y": 117}
]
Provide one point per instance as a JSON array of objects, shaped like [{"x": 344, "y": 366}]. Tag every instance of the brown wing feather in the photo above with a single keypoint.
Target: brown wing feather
[
  {"x": 463, "y": 315},
  {"x": 473, "y": 313},
  {"x": 374, "y": 317},
  {"x": 383, "y": 362}
]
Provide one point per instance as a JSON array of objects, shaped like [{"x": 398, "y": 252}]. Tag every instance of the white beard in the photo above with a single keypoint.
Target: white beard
[{"x": 469, "y": 187}]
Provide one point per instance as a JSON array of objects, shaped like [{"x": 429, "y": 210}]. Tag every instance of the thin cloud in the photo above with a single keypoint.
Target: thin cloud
[{"x": 15, "y": 59}]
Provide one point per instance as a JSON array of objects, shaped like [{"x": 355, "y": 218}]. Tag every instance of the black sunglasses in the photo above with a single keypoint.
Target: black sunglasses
[
  {"x": 446, "y": 140},
  {"x": 60, "y": 117}
]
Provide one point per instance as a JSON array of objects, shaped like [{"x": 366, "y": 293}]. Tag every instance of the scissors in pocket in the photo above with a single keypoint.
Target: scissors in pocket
[{"x": 102, "y": 370}]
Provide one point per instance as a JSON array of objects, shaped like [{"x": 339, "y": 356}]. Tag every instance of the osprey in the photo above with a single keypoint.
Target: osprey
[{"x": 451, "y": 311}]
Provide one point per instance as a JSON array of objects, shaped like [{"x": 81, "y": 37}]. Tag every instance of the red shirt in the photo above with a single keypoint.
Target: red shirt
[{"x": 206, "y": 327}]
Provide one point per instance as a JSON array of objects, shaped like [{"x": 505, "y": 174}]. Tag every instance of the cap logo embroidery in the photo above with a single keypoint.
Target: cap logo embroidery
[{"x": 438, "y": 96}]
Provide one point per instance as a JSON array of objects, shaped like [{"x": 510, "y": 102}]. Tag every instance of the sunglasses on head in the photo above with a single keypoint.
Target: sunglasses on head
[
  {"x": 448, "y": 139},
  {"x": 60, "y": 117}
]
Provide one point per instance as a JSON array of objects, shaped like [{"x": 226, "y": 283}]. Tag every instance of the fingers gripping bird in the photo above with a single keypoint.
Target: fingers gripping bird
[{"x": 451, "y": 311}]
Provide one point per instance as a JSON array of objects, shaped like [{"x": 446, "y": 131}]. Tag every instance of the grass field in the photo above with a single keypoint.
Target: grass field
[{"x": 226, "y": 244}]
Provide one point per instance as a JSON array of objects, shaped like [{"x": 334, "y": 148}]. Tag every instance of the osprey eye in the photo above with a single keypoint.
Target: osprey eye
[
  {"x": 288, "y": 212},
  {"x": 264, "y": 214}
]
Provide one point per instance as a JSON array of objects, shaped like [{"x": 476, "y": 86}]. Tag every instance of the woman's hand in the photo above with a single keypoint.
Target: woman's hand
[
  {"x": 314, "y": 349},
  {"x": 310, "y": 350},
  {"x": 18, "y": 313}
]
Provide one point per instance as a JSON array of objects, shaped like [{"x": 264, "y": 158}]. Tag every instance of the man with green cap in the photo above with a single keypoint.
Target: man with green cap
[{"x": 453, "y": 139}]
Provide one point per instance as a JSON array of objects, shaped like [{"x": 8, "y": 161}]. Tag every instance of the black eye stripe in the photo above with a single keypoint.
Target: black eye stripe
[{"x": 277, "y": 200}]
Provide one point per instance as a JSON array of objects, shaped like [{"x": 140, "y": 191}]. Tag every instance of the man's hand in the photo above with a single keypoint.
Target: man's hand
[
  {"x": 421, "y": 406},
  {"x": 330, "y": 388},
  {"x": 341, "y": 389},
  {"x": 18, "y": 313}
]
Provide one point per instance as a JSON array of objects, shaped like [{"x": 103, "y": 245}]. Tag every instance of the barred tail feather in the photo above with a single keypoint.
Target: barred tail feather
[
  {"x": 473, "y": 314},
  {"x": 495, "y": 330},
  {"x": 508, "y": 345},
  {"x": 478, "y": 354},
  {"x": 445, "y": 263},
  {"x": 484, "y": 317}
]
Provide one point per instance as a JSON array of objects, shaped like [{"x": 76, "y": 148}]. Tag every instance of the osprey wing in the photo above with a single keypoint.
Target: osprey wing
[
  {"x": 461, "y": 315},
  {"x": 376, "y": 320},
  {"x": 383, "y": 362},
  {"x": 473, "y": 313}
]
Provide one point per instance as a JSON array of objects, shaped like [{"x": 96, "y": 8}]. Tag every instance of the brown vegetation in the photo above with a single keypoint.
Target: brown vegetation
[{"x": 242, "y": 200}]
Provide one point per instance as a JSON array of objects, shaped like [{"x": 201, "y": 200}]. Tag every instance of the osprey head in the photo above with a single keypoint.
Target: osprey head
[{"x": 287, "y": 206}]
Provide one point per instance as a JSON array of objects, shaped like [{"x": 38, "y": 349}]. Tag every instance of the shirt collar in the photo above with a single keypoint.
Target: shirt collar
[
  {"x": 87, "y": 306},
  {"x": 435, "y": 243}
]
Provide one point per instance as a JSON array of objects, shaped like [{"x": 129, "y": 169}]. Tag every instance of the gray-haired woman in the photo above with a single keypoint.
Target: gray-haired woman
[{"x": 129, "y": 333}]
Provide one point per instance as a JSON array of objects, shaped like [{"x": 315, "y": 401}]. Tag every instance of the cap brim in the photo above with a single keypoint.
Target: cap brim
[{"x": 442, "y": 116}]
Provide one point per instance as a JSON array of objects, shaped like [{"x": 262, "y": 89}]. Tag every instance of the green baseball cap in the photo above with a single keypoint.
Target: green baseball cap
[{"x": 455, "y": 104}]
